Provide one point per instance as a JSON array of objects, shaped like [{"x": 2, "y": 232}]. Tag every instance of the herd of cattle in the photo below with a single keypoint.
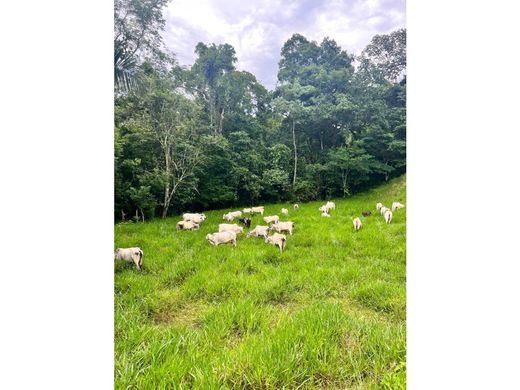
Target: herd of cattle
[{"x": 227, "y": 232}]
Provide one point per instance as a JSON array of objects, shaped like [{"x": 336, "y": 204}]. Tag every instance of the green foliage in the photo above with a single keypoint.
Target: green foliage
[{"x": 210, "y": 136}]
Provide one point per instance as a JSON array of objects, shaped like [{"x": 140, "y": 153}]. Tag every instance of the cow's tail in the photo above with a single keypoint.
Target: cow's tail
[{"x": 140, "y": 257}]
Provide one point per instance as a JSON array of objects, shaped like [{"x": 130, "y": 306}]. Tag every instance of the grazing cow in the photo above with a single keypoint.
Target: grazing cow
[
  {"x": 230, "y": 227},
  {"x": 278, "y": 240},
  {"x": 245, "y": 221},
  {"x": 383, "y": 210},
  {"x": 271, "y": 219},
  {"x": 285, "y": 211},
  {"x": 324, "y": 209},
  {"x": 388, "y": 216},
  {"x": 232, "y": 215},
  {"x": 134, "y": 255},
  {"x": 366, "y": 213},
  {"x": 222, "y": 238},
  {"x": 283, "y": 227},
  {"x": 259, "y": 231},
  {"x": 397, "y": 205},
  {"x": 331, "y": 205},
  {"x": 296, "y": 206},
  {"x": 247, "y": 211},
  {"x": 195, "y": 217},
  {"x": 187, "y": 225},
  {"x": 259, "y": 209},
  {"x": 357, "y": 224},
  {"x": 324, "y": 214},
  {"x": 379, "y": 205}
]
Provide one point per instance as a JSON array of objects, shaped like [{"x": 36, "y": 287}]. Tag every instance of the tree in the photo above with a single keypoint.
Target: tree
[
  {"x": 212, "y": 64},
  {"x": 137, "y": 34},
  {"x": 384, "y": 59},
  {"x": 173, "y": 120}
]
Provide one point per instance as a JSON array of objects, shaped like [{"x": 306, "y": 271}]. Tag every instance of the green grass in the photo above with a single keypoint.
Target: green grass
[{"x": 329, "y": 312}]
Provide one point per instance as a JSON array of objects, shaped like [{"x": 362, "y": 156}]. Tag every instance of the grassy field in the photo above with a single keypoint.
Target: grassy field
[{"x": 329, "y": 312}]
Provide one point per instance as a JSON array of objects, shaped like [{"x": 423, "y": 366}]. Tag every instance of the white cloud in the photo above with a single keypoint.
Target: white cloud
[{"x": 258, "y": 29}]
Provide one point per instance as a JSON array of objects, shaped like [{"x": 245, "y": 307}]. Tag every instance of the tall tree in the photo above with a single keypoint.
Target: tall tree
[
  {"x": 137, "y": 34},
  {"x": 212, "y": 63}
]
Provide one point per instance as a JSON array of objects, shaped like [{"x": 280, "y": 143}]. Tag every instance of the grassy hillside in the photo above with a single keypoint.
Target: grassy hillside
[{"x": 329, "y": 312}]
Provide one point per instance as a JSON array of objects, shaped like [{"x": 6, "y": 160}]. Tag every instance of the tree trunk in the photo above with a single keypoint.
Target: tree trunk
[
  {"x": 321, "y": 139},
  {"x": 344, "y": 177},
  {"x": 221, "y": 122},
  {"x": 295, "y": 153},
  {"x": 167, "y": 185},
  {"x": 142, "y": 214}
]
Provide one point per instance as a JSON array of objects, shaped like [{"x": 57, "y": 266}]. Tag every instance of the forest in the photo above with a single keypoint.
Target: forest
[{"x": 206, "y": 136}]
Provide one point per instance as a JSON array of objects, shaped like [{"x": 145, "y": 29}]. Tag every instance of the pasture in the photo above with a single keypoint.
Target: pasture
[{"x": 328, "y": 312}]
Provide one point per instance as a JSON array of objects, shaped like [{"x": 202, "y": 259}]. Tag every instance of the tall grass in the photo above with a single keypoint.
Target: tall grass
[{"x": 329, "y": 312}]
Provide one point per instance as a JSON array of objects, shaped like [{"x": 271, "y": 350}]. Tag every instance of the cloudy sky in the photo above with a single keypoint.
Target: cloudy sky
[{"x": 257, "y": 29}]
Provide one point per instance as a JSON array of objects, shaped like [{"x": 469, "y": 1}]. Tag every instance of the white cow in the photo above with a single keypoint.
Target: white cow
[
  {"x": 285, "y": 211},
  {"x": 222, "y": 238},
  {"x": 247, "y": 211},
  {"x": 388, "y": 216},
  {"x": 357, "y": 223},
  {"x": 326, "y": 215},
  {"x": 324, "y": 209},
  {"x": 278, "y": 240},
  {"x": 296, "y": 206},
  {"x": 379, "y": 205},
  {"x": 195, "y": 217},
  {"x": 187, "y": 225},
  {"x": 232, "y": 215},
  {"x": 331, "y": 205},
  {"x": 259, "y": 231},
  {"x": 134, "y": 255},
  {"x": 271, "y": 219},
  {"x": 397, "y": 205},
  {"x": 259, "y": 209},
  {"x": 383, "y": 210},
  {"x": 230, "y": 227},
  {"x": 283, "y": 227}
]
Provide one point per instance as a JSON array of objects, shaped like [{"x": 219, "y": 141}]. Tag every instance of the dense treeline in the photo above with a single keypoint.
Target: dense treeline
[{"x": 211, "y": 136}]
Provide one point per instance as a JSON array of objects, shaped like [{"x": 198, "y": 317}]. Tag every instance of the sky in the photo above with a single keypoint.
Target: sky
[{"x": 257, "y": 29}]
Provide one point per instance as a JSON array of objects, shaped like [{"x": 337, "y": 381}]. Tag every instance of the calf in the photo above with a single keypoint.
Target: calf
[
  {"x": 366, "y": 213},
  {"x": 285, "y": 211},
  {"x": 278, "y": 240},
  {"x": 222, "y": 238},
  {"x": 134, "y": 255},
  {"x": 357, "y": 224},
  {"x": 379, "y": 205},
  {"x": 245, "y": 221},
  {"x": 296, "y": 206}
]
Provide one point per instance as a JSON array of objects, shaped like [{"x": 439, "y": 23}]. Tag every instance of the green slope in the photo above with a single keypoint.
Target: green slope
[{"x": 328, "y": 312}]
